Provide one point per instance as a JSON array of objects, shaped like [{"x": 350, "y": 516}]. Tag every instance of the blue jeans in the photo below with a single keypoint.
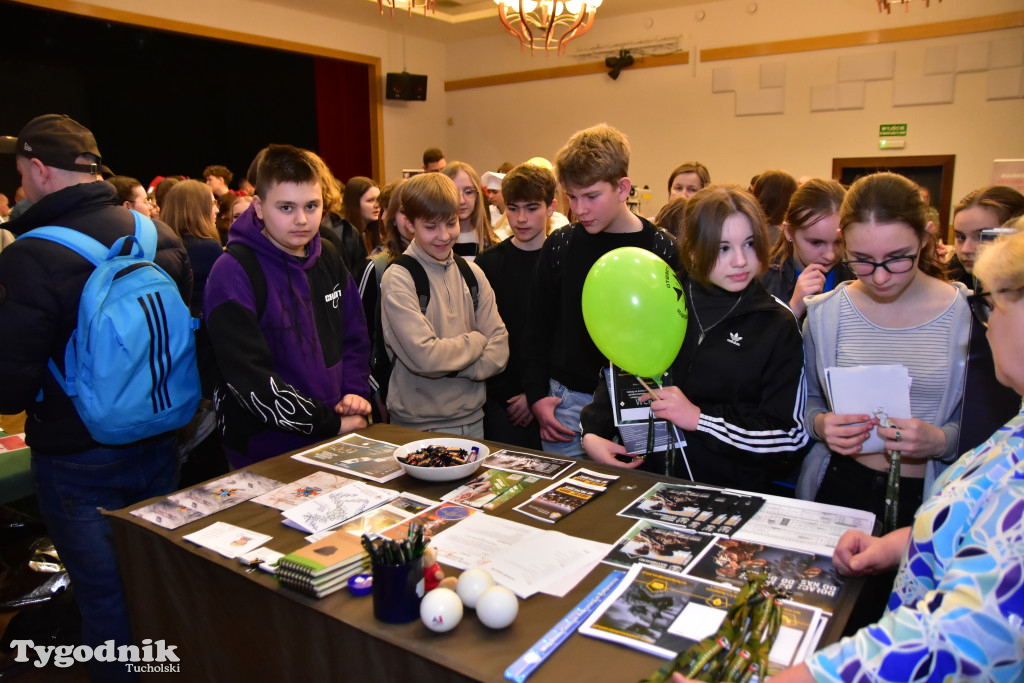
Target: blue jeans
[
  {"x": 568, "y": 415},
  {"x": 71, "y": 490}
]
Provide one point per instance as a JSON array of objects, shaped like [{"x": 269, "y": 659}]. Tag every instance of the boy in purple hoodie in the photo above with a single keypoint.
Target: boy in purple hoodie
[{"x": 293, "y": 355}]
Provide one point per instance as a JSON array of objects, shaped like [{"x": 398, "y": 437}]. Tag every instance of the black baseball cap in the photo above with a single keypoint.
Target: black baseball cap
[{"x": 57, "y": 141}]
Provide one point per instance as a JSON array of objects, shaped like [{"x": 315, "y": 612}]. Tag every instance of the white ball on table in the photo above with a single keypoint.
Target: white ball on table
[
  {"x": 471, "y": 584},
  {"x": 441, "y": 610},
  {"x": 497, "y": 607}
]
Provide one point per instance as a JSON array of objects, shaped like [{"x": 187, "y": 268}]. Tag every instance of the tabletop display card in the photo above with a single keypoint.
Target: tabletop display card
[
  {"x": 664, "y": 614},
  {"x": 566, "y": 496},
  {"x": 490, "y": 489},
  {"x": 434, "y": 521},
  {"x": 227, "y": 539},
  {"x": 809, "y": 579},
  {"x": 228, "y": 491},
  {"x": 333, "y": 508},
  {"x": 168, "y": 515},
  {"x": 386, "y": 516},
  {"x": 529, "y": 463},
  {"x": 657, "y": 545},
  {"x": 356, "y": 455},
  {"x": 205, "y": 499},
  {"x": 302, "y": 490},
  {"x": 709, "y": 511}
]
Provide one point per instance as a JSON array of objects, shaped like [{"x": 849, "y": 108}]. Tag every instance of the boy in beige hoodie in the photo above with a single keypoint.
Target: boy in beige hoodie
[{"x": 441, "y": 357}]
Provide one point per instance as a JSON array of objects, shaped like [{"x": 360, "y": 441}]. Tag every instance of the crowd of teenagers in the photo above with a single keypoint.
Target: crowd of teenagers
[{"x": 450, "y": 302}]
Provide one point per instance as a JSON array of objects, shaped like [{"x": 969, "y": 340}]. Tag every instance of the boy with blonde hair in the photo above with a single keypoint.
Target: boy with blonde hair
[
  {"x": 439, "y": 318},
  {"x": 561, "y": 363}
]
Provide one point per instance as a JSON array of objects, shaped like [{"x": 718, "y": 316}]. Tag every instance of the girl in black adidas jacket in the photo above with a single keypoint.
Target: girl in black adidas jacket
[{"x": 739, "y": 391}]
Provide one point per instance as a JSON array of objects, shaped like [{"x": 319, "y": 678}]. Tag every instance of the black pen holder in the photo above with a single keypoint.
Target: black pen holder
[{"x": 397, "y": 591}]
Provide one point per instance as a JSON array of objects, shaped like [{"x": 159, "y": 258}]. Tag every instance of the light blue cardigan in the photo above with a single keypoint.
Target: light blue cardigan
[{"x": 821, "y": 332}]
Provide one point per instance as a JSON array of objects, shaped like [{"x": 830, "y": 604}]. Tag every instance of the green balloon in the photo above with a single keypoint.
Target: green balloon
[{"x": 635, "y": 311}]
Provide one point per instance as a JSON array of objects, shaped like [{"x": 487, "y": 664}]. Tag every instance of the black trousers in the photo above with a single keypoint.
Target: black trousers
[
  {"x": 497, "y": 427},
  {"x": 850, "y": 484}
]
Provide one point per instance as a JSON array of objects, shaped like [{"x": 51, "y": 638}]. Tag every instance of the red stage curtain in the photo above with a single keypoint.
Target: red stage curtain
[{"x": 343, "y": 117}]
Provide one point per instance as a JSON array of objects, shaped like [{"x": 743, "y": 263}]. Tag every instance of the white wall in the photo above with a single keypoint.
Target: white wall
[{"x": 671, "y": 114}]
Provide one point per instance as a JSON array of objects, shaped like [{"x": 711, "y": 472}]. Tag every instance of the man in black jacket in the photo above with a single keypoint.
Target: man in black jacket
[{"x": 40, "y": 286}]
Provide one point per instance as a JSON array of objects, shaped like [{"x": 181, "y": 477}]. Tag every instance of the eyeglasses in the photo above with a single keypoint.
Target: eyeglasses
[
  {"x": 895, "y": 265},
  {"x": 981, "y": 304},
  {"x": 469, "y": 193}
]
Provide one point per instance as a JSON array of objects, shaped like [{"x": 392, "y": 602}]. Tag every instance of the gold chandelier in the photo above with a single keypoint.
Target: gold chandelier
[
  {"x": 556, "y": 23},
  {"x": 886, "y": 5},
  {"x": 407, "y": 4}
]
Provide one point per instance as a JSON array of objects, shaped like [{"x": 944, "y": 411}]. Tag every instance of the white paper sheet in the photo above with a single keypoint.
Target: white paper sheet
[
  {"x": 227, "y": 539},
  {"x": 471, "y": 542},
  {"x": 543, "y": 559},
  {"x": 876, "y": 390},
  {"x": 802, "y": 524},
  {"x": 522, "y": 558}
]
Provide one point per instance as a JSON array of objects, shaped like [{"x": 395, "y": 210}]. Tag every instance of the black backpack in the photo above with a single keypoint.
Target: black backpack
[
  {"x": 245, "y": 256},
  {"x": 382, "y": 362}
]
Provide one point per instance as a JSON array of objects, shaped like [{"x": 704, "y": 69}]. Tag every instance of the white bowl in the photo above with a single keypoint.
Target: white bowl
[{"x": 442, "y": 473}]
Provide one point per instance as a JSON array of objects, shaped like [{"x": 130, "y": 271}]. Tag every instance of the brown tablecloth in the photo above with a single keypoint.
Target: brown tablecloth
[{"x": 230, "y": 624}]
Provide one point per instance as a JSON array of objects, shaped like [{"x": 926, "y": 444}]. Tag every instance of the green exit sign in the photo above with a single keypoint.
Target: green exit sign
[{"x": 892, "y": 130}]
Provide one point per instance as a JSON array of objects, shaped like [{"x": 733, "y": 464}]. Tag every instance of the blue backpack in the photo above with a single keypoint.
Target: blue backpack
[{"x": 130, "y": 365}]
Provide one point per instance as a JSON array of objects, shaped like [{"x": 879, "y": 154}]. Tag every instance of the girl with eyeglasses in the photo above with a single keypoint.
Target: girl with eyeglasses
[
  {"x": 954, "y": 613},
  {"x": 475, "y": 232},
  {"x": 899, "y": 311}
]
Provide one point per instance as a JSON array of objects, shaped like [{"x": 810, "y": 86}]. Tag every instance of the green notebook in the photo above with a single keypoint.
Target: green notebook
[{"x": 336, "y": 551}]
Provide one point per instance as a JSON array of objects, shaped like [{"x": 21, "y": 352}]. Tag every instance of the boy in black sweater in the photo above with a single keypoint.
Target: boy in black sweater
[
  {"x": 529, "y": 193},
  {"x": 561, "y": 363}
]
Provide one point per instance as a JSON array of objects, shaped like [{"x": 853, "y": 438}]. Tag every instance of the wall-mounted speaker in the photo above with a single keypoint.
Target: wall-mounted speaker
[{"x": 406, "y": 86}]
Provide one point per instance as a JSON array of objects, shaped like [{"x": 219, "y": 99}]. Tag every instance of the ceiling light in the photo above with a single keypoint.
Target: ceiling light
[
  {"x": 407, "y": 4},
  {"x": 556, "y": 23},
  {"x": 886, "y": 5}
]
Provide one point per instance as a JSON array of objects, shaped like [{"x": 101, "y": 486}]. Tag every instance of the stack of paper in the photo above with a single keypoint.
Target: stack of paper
[
  {"x": 522, "y": 558},
  {"x": 331, "y": 509},
  {"x": 880, "y": 391}
]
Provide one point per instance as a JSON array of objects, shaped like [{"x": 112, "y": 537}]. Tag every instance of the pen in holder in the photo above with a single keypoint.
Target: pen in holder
[{"x": 397, "y": 568}]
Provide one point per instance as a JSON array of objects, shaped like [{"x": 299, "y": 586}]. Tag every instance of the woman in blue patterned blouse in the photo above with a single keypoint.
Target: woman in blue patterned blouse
[{"x": 956, "y": 612}]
